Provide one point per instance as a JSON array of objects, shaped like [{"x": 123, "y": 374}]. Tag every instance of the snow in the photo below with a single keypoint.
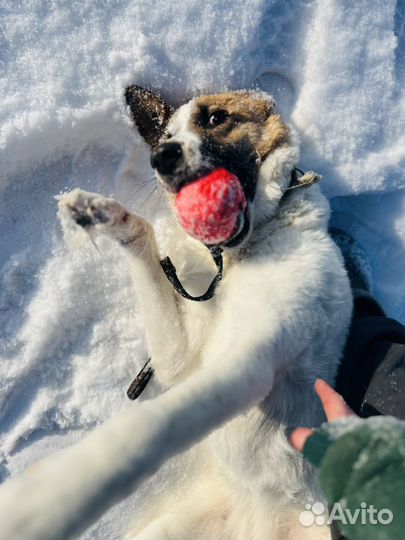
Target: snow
[
  {"x": 71, "y": 338},
  {"x": 358, "y": 122}
]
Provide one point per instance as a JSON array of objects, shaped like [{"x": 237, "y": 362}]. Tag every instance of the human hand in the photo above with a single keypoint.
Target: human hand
[{"x": 334, "y": 406}]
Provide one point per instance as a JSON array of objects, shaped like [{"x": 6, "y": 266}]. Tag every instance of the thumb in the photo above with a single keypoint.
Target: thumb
[
  {"x": 334, "y": 405},
  {"x": 299, "y": 437}
]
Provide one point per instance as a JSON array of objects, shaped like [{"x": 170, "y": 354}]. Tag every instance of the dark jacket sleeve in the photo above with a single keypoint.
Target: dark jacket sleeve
[{"x": 362, "y": 473}]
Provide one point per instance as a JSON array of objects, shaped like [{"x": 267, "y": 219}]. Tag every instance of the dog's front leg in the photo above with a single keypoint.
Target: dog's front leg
[
  {"x": 81, "y": 482},
  {"x": 156, "y": 297}
]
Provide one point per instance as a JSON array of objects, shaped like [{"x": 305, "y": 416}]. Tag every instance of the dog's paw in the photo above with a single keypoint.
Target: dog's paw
[
  {"x": 90, "y": 209},
  {"x": 95, "y": 213}
]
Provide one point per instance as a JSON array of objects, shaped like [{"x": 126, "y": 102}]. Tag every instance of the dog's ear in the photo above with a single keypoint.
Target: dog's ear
[{"x": 149, "y": 111}]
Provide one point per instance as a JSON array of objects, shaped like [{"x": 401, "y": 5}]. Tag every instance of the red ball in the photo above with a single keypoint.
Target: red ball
[{"x": 208, "y": 208}]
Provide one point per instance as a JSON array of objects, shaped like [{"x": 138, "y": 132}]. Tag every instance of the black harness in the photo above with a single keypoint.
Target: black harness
[
  {"x": 170, "y": 271},
  {"x": 144, "y": 376}
]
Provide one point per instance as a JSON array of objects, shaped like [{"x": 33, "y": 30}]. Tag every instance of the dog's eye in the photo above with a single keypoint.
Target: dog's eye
[
  {"x": 169, "y": 135},
  {"x": 217, "y": 118}
]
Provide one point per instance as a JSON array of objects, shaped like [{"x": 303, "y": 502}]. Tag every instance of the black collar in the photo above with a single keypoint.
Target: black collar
[
  {"x": 170, "y": 271},
  {"x": 216, "y": 251}
]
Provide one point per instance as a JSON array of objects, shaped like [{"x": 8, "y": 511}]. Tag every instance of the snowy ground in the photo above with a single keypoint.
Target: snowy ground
[{"x": 71, "y": 340}]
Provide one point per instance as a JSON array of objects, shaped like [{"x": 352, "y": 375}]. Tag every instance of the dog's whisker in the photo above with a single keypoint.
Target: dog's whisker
[
  {"x": 146, "y": 199},
  {"x": 140, "y": 202},
  {"x": 150, "y": 180},
  {"x": 139, "y": 188},
  {"x": 158, "y": 203}
]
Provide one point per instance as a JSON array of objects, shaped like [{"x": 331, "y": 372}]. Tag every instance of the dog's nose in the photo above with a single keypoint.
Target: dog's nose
[{"x": 166, "y": 157}]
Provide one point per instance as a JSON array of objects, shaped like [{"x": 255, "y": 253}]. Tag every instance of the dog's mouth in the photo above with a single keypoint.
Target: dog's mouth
[
  {"x": 174, "y": 183},
  {"x": 242, "y": 229},
  {"x": 214, "y": 208}
]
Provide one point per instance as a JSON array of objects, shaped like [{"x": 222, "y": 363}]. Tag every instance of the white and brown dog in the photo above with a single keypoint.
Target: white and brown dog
[{"x": 277, "y": 321}]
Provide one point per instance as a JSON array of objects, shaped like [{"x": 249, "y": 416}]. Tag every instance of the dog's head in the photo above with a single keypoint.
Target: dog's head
[{"x": 239, "y": 131}]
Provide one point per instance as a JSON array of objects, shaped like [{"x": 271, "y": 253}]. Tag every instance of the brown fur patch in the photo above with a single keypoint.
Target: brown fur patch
[
  {"x": 275, "y": 134},
  {"x": 250, "y": 117},
  {"x": 242, "y": 104}
]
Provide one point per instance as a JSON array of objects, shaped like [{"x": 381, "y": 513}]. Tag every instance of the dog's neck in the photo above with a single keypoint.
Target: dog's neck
[{"x": 274, "y": 179}]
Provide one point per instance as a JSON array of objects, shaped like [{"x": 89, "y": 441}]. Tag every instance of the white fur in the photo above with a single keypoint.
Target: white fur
[
  {"x": 181, "y": 131},
  {"x": 278, "y": 321}
]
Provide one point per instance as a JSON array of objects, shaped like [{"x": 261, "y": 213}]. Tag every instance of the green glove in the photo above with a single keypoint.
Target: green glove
[{"x": 361, "y": 467}]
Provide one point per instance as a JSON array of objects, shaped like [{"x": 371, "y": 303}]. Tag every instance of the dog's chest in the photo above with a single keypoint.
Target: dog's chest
[
  {"x": 254, "y": 450},
  {"x": 195, "y": 269},
  {"x": 197, "y": 324}
]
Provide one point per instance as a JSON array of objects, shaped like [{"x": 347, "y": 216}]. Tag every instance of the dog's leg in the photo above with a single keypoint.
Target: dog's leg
[
  {"x": 156, "y": 297},
  {"x": 81, "y": 482}
]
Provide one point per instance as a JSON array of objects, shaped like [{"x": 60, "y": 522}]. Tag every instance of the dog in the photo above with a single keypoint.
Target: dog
[{"x": 277, "y": 321}]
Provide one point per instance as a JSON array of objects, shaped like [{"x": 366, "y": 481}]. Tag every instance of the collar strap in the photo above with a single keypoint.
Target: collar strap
[
  {"x": 170, "y": 270},
  {"x": 305, "y": 180},
  {"x": 141, "y": 380}
]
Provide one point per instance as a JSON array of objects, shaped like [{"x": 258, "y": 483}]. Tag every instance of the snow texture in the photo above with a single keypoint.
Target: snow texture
[{"x": 70, "y": 336}]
